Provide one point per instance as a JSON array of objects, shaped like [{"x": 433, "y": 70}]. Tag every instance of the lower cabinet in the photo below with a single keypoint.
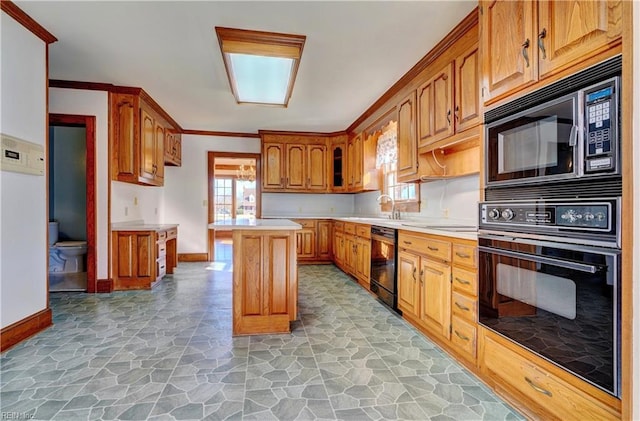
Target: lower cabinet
[
  {"x": 530, "y": 382},
  {"x": 265, "y": 283},
  {"x": 313, "y": 241},
  {"x": 142, "y": 258}
]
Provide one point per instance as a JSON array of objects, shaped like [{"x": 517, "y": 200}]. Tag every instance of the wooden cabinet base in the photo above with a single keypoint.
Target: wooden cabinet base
[{"x": 265, "y": 281}]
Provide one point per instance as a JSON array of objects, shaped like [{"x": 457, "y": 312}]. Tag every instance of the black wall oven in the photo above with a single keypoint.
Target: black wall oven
[{"x": 549, "y": 279}]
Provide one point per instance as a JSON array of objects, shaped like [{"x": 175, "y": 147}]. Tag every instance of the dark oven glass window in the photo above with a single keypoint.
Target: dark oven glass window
[
  {"x": 553, "y": 305},
  {"x": 383, "y": 261},
  {"x": 537, "y": 144}
]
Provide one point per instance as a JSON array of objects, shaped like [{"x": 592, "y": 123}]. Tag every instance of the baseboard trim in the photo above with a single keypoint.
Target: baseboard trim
[
  {"x": 25, "y": 328},
  {"x": 104, "y": 285},
  {"x": 193, "y": 257}
]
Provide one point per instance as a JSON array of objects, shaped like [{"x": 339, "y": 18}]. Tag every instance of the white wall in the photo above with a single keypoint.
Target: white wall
[
  {"x": 23, "y": 208},
  {"x": 132, "y": 202},
  {"x": 302, "y": 204},
  {"x": 185, "y": 187},
  {"x": 92, "y": 103}
]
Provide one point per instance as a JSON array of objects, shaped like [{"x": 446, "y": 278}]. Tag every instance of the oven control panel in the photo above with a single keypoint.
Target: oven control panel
[{"x": 578, "y": 215}]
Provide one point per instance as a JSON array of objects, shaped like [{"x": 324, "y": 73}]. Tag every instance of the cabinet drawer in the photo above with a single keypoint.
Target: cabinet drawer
[
  {"x": 349, "y": 228},
  {"x": 338, "y": 226},
  {"x": 172, "y": 233},
  {"x": 363, "y": 231},
  {"x": 464, "y": 281},
  {"x": 464, "y": 336},
  {"x": 306, "y": 223},
  {"x": 465, "y": 255},
  {"x": 161, "y": 267},
  {"x": 438, "y": 249},
  {"x": 464, "y": 306},
  {"x": 162, "y": 249},
  {"x": 538, "y": 385},
  {"x": 162, "y": 235},
  {"x": 412, "y": 242}
]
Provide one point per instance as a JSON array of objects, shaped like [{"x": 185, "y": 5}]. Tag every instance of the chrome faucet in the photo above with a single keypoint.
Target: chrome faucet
[{"x": 394, "y": 213}]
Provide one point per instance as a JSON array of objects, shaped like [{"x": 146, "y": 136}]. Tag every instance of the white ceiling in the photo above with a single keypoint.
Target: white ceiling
[{"x": 355, "y": 51}]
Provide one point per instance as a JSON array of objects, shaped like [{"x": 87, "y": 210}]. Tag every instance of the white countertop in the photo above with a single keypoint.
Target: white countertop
[
  {"x": 255, "y": 224},
  {"x": 140, "y": 226}
]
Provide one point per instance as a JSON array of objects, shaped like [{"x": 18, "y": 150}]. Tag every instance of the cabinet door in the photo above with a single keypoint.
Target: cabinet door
[
  {"x": 350, "y": 253},
  {"x": 363, "y": 266},
  {"x": 316, "y": 168},
  {"x": 338, "y": 166},
  {"x": 273, "y": 166},
  {"x": 408, "y": 285},
  {"x": 147, "y": 147},
  {"x": 575, "y": 30},
  {"x": 443, "y": 125},
  {"x": 323, "y": 251},
  {"x": 339, "y": 248},
  {"x": 124, "y": 135},
  {"x": 295, "y": 165},
  {"x": 407, "y": 139},
  {"x": 134, "y": 259},
  {"x": 159, "y": 154},
  {"x": 306, "y": 243},
  {"x": 467, "y": 90},
  {"x": 355, "y": 163},
  {"x": 509, "y": 51},
  {"x": 425, "y": 113},
  {"x": 435, "y": 282}
]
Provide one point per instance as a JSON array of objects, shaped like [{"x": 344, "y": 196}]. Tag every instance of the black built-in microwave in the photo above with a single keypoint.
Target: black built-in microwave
[{"x": 567, "y": 131}]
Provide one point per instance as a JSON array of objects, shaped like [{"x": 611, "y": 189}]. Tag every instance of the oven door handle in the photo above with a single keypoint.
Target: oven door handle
[{"x": 541, "y": 259}]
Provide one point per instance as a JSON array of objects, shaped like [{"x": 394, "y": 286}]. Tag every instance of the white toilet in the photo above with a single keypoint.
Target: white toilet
[{"x": 65, "y": 256}]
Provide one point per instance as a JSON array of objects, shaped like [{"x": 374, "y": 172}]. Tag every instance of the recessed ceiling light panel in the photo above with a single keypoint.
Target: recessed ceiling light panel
[{"x": 261, "y": 66}]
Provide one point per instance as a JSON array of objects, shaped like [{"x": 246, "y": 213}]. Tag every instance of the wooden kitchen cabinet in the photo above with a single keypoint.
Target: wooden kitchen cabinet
[
  {"x": 265, "y": 283},
  {"x": 339, "y": 245},
  {"x": 354, "y": 163},
  {"x": 542, "y": 39},
  {"x": 324, "y": 249},
  {"x": 314, "y": 242},
  {"x": 408, "y": 284},
  {"x": 407, "y": 165},
  {"x": 435, "y": 295},
  {"x": 142, "y": 258},
  {"x": 539, "y": 387},
  {"x": 273, "y": 165},
  {"x": 137, "y": 133},
  {"x": 464, "y": 299},
  {"x": 173, "y": 148},
  {"x": 337, "y": 172},
  {"x": 357, "y": 251}
]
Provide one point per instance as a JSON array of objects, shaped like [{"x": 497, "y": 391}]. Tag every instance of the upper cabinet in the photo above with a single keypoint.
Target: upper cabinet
[
  {"x": 295, "y": 162},
  {"x": 138, "y": 135},
  {"x": 407, "y": 139},
  {"x": 354, "y": 163},
  {"x": 172, "y": 148},
  {"x": 338, "y": 164},
  {"x": 542, "y": 39},
  {"x": 362, "y": 174}
]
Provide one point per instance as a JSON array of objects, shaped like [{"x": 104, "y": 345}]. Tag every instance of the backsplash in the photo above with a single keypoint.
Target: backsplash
[
  {"x": 303, "y": 204},
  {"x": 130, "y": 202}
]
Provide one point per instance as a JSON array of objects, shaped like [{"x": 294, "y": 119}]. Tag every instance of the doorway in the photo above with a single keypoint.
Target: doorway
[
  {"x": 234, "y": 193},
  {"x": 71, "y": 202}
]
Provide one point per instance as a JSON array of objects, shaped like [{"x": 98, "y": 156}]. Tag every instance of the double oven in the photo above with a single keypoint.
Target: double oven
[{"x": 549, "y": 229}]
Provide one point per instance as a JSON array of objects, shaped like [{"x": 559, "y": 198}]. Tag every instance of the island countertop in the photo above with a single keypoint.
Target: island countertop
[{"x": 255, "y": 224}]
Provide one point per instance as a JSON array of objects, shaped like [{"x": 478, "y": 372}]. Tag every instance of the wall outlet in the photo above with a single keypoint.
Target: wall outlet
[
  {"x": 135, "y": 201},
  {"x": 156, "y": 211},
  {"x": 126, "y": 210},
  {"x": 331, "y": 209},
  {"x": 299, "y": 209},
  {"x": 445, "y": 213},
  {"x": 204, "y": 203}
]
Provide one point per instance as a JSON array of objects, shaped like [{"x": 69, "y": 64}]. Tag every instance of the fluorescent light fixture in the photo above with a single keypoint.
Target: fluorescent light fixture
[{"x": 261, "y": 66}]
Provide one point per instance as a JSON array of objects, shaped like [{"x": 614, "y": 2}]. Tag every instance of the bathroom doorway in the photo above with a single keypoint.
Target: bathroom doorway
[
  {"x": 234, "y": 193},
  {"x": 71, "y": 203}
]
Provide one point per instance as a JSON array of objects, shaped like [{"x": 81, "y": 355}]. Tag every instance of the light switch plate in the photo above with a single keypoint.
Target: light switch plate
[{"x": 21, "y": 156}]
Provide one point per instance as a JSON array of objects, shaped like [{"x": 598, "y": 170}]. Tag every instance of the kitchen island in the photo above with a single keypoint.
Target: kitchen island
[{"x": 265, "y": 274}]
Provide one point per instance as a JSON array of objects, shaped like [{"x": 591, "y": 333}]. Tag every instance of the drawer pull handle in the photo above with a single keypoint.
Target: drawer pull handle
[
  {"x": 462, "y": 281},
  {"x": 433, "y": 248},
  {"x": 414, "y": 273},
  {"x": 462, "y": 255},
  {"x": 461, "y": 307},
  {"x": 407, "y": 242},
  {"x": 538, "y": 388},
  {"x": 421, "y": 275},
  {"x": 461, "y": 336}
]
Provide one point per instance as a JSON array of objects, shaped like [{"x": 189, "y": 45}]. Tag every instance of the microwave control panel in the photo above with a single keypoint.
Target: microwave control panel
[{"x": 601, "y": 130}]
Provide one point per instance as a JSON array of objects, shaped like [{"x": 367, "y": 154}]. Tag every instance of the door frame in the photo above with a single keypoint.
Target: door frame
[
  {"x": 89, "y": 123},
  {"x": 211, "y": 157}
]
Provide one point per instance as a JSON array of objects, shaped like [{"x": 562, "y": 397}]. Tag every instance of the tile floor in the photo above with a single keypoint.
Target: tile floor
[{"x": 168, "y": 354}]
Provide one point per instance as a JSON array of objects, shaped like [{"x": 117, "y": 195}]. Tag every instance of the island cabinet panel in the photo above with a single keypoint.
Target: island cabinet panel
[{"x": 264, "y": 281}]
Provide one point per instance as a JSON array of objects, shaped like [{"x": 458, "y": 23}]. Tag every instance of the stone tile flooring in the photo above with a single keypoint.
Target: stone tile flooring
[{"x": 168, "y": 354}]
